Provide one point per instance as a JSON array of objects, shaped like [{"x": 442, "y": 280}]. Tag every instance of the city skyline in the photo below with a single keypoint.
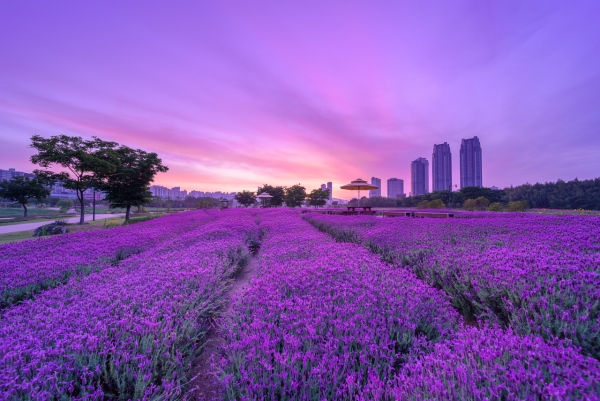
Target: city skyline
[{"x": 231, "y": 95}]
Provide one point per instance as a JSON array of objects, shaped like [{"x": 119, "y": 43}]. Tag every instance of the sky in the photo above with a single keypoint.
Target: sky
[{"x": 236, "y": 94}]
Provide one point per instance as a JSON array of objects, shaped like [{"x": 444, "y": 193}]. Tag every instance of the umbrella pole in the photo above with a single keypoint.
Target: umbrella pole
[{"x": 358, "y": 203}]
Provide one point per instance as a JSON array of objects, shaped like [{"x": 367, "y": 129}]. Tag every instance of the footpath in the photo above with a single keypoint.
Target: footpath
[{"x": 32, "y": 226}]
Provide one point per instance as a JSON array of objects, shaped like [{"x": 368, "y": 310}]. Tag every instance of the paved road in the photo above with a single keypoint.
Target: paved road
[{"x": 32, "y": 226}]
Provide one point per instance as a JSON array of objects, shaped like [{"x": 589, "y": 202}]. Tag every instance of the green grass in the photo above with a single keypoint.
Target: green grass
[
  {"x": 32, "y": 211},
  {"x": 100, "y": 223}
]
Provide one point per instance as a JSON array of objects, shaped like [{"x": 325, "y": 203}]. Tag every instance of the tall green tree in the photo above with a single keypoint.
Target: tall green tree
[
  {"x": 277, "y": 193},
  {"x": 86, "y": 161},
  {"x": 128, "y": 185},
  {"x": 245, "y": 198},
  {"x": 294, "y": 196},
  {"x": 318, "y": 197},
  {"x": 21, "y": 190}
]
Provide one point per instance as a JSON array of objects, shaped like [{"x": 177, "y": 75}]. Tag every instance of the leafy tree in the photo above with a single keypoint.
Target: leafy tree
[
  {"x": 128, "y": 185},
  {"x": 424, "y": 204},
  {"x": 436, "y": 204},
  {"x": 65, "y": 205},
  {"x": 21, "y": 190},
  {"x": 469, "y": 205},
  {"x": 207, "y": 203},
  {"x": 493, "y": 195},
  {"x": 318, "y": 197},
  {"x": 294, "y": 195},
  {"x": 519, "y": 206},
  {"x": 576, "y": 194},
  {"x": 277, "y": 193},
  {"x": 481, "y": 203},
  {"x": 51, "y": 201},
  {"x": 86, "y": 161},
  {"x": 245, "y": 198},
  {"x": 496, "y": 207}
]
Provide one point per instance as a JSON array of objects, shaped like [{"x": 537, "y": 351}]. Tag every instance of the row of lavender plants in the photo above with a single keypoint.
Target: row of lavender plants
[
  {"x": 129, "y": 331},
  {"x": 28, "y": 267},
  {"x": 538, "y": 274},
  {"x": 323, "y": 320},
  {"x": 327, "y": 320}
]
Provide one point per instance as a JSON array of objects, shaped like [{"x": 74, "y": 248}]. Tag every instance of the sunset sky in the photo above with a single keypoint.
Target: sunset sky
[{"x": 235, "y": 94}]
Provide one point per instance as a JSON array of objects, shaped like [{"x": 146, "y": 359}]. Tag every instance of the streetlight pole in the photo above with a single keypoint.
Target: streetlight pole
[{"x": 94, "y": 205}]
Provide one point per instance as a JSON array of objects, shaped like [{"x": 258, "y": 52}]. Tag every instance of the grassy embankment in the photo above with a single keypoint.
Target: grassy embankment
[{"x": 100, "y": 223}]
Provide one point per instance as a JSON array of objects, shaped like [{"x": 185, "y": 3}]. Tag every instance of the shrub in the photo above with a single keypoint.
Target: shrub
[
  {"x": 58, "y": 227},
  {"x": 423, "y": 205},
  {"x": 496, "y": 207},
  {"x": 65, "y": 205},
  {"x": 481, "y": 203},
  {"x": 436, "y": 204},
  {"x": 469, "y": 205},
  {"x": 519, "y": 206},
  {"x": 111, "y": 223}
]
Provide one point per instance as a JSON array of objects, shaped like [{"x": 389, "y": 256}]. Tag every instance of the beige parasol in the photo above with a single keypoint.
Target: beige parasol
[{"x": 358, "y": 184}]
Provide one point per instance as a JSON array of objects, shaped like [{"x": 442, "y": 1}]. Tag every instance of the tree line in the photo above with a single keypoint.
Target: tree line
[
  {"x": 293, "y": 196},
  {"x": 576, "y": 194},
  {"x": 122, "y": 173}
]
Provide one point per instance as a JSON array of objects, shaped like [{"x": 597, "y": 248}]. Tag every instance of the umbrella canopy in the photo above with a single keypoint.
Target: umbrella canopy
[{"x": 358, "y": 184}]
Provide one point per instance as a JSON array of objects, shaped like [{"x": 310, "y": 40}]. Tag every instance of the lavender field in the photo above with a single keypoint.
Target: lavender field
[{"x": 495, "y": 306}]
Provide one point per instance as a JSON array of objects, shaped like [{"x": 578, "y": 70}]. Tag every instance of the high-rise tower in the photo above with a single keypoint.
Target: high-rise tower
[
  {"x": 330, "y": 188},
  {"x": 470, "y": 163},
  {"x": 419, "y": 176},
  {"x": 375, "y": 192},
  {"x": 441, "y": 167},
  {"x": 395, "y": 188}
]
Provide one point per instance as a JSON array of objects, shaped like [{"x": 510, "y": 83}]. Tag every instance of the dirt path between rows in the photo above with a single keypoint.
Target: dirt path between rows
[{"x": 204, "y": 382}]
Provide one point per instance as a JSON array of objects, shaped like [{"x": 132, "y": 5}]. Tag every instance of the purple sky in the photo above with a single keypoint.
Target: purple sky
[{"x": 236, "y": 94}]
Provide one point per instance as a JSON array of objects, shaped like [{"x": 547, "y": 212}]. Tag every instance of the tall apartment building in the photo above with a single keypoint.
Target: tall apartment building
[
  {"x": 375, "y": 192},
  {"x": 395, "y": 188},
  {"x": 441, "y": 167},
  {"x": 323, "y": 187},
  {"x": 470, "y": 163},
  {"x": 330, "y": 188},
  {"x": 419, "y": 176}
]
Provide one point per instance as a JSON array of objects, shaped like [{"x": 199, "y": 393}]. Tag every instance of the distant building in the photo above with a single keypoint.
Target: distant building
[
  {"x": 441, "y": 167},
  {"x": 330, "y": 188},
  {"x": 375, "y": 192},
  {"x": 395, "y": 188},
  {"x": 323, "y": 187},
  {"x": 90, "y": 195},
  {"x": 470, "y": 163},
  {"x": 12, "y": 173},
  {"x": 59, "y": 191},
  {"x": 419, "y": 176},
  {"x": 176, "y": 193}
]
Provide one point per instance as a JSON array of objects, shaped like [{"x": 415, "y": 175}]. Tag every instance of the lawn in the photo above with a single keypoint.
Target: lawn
[
  {"x": 101, "y": 222},
  {"x": 32, "y": 211}
]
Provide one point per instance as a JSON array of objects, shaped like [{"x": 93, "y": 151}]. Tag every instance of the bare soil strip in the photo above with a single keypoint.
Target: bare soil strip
[{"x": 204, "y": 382}]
